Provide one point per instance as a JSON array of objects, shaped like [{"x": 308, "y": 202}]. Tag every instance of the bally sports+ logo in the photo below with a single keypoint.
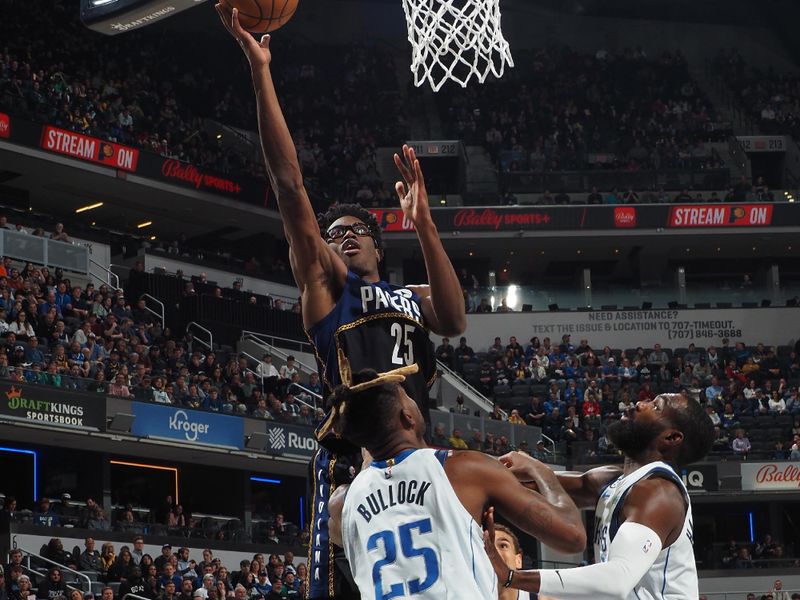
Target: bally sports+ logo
[{"x": 191, "y": 430}]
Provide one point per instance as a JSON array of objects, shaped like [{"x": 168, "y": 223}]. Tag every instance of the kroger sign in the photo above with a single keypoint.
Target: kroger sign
[{"x": 196, "y": 426}]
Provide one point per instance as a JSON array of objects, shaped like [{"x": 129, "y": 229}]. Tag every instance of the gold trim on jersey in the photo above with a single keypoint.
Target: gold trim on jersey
[
  {"x": 331, "y": 565},
  {"x": 384, "y": 315}
]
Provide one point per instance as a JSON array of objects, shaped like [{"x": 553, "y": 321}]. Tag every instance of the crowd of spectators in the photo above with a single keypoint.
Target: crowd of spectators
[
  {"x": 743, "y": 190},
  {"x": 340, "y": 102},
  {"x": 93, "y": 339},
  {"x": 764, "y": 553},
  {"x": 573, "y": 391},
  {"x": 168, "y": 576},
  {"x": 771, "y": 99},
  {"x": 560, "y": 109},
  {"x": 166, "y": 519}
]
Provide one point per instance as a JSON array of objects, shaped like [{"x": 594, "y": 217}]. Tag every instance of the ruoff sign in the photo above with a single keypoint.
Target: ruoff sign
[
  {"x": 771, "y": 476},
  {"x": 290, "y": 440}
]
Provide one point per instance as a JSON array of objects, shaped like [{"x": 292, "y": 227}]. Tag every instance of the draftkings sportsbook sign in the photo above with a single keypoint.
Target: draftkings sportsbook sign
[{"x": 49, "y": 406}]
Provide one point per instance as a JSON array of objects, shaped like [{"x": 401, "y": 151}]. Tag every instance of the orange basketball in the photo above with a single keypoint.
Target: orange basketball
[{"x": 263, "y": 16}]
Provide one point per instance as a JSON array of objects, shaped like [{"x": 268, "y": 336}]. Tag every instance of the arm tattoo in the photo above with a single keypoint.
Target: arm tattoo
[{"x": 538, "y": 516}]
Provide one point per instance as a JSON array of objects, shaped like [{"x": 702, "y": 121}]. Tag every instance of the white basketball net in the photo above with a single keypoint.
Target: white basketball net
[{"x": 455, "y": 40}]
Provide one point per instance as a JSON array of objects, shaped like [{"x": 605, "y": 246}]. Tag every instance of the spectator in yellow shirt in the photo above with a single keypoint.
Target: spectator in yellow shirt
[{"x": 457, "y": 442}]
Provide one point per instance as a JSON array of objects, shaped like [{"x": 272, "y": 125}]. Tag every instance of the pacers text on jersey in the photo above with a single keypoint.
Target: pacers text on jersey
[{"x": 374, "y": 299}]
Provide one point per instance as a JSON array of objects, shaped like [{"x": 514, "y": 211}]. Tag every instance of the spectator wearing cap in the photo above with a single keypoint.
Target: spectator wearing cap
[
  {"x": 539, "y": 453},
  {"x": 200, "y": 593},
  {"x": 262, "y": 586},
  {"x": 18, "y": 358},
  {"x": 166, "y": 549},
  {"x": 209, "y": 583}
]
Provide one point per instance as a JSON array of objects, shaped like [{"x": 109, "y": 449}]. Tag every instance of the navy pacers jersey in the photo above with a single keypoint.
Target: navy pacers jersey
[{"x": 378, "y": 326}]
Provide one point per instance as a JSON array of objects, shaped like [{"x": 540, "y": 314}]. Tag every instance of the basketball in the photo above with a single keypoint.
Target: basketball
[{"x": 263, "y": 16}]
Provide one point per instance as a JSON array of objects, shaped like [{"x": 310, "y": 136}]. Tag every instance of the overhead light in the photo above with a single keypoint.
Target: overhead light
[
  {"x": 143, "y": 225},
  {"x": 152, "y": 237},
  {"x": 219, "y": 136},
  {"x": 89, "y": 207}
]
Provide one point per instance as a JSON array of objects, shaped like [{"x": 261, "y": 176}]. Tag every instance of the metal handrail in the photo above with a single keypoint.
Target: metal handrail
[
  {"x": 302, "y": 387},
  {"x": 134, "y": 596},
  {"x": 262, "y": 337},
  {"x": 552, "y": 443},
  {"x": 78, "y": 574},
  {"x": 464, "y": 383},
  {"x": 109, "y": 274},
  {"x": 310, "y": 393},
  {"x": 162, "y": 315},
  {"x": 274, "y": 350},
  {"x": 210, "y": 343}
]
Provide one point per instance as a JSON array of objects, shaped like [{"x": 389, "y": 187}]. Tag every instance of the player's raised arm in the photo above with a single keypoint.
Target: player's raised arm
[
  {"x": 583, "y": 487},
  {"x": 310, "y": 256},
  {"x": 653, "y": 519},
  {"x": 550, "y": 515},
  {"x": 442, "y": 300}
]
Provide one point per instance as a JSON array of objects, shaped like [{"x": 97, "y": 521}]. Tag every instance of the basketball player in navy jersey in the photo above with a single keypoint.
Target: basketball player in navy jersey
[
  {"x": 643, "y": 520},
  {"x": 410, "y": 521},
  {"x": 345, "y": 305}
]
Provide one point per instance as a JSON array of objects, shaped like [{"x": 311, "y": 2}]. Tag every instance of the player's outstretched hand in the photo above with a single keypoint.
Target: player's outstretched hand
[
  {"x": 411, "y": 191},
  {"x": 499, "y": 565},
  {"x": 257, "y": 53}
]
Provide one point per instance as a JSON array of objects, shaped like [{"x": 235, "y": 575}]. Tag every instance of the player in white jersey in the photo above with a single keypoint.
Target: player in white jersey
[
  {"x": 643, "y": 527},
  {"x": 410, "y": 520}
]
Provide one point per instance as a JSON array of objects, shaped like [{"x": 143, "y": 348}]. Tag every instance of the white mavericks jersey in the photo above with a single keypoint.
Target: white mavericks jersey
[
  {"x": 674, "y": 575},
  {"x": 406, "y": 533}
]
